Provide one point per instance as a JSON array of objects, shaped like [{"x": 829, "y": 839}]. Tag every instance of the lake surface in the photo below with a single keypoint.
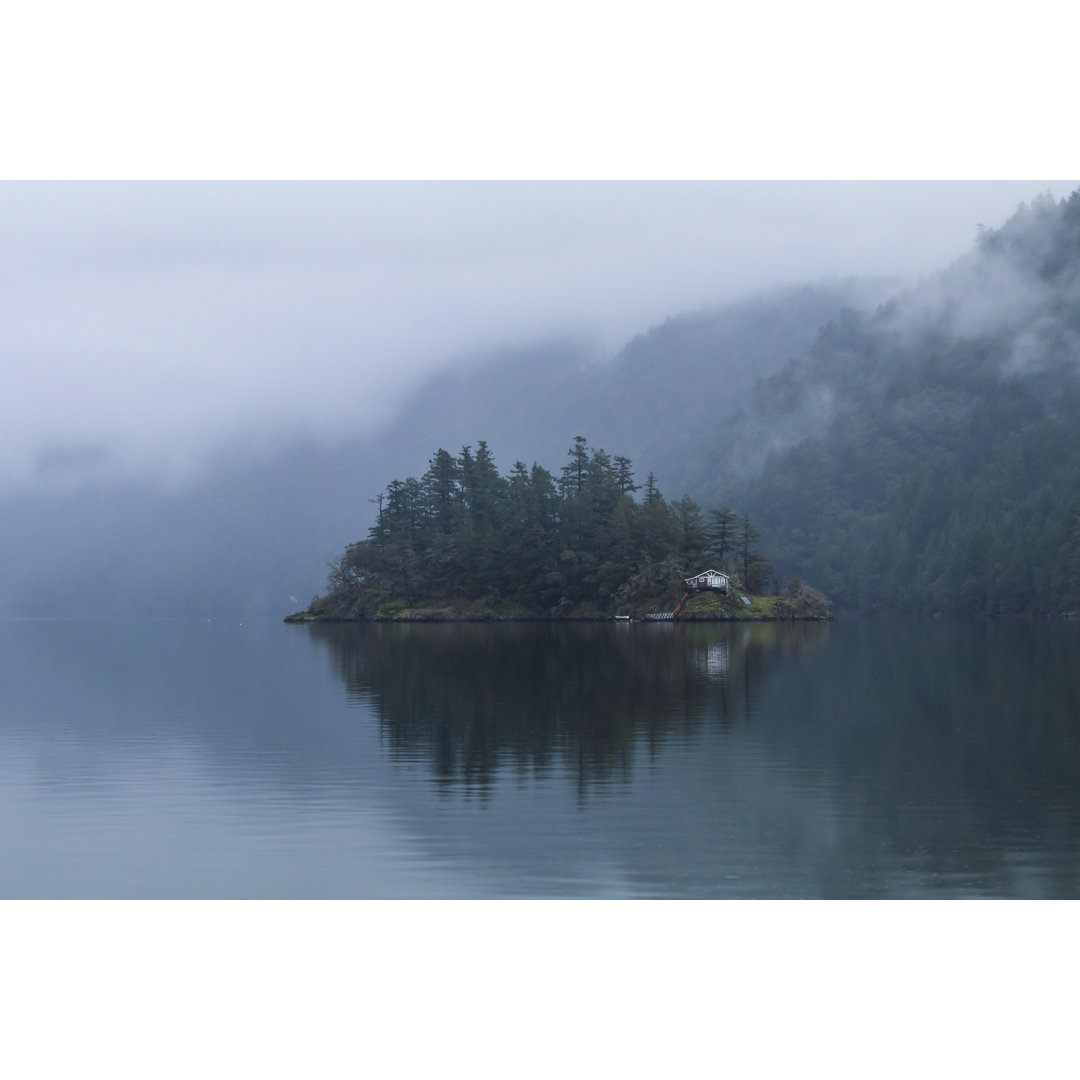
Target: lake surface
[{"x": 158, "y": 758}]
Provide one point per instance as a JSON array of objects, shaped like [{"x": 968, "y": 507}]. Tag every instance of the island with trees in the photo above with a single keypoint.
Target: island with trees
[{"x": 464, "y": 542}]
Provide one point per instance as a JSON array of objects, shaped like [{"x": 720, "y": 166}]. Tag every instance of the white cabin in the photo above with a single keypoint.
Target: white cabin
[{"x": 710, "y": 579}]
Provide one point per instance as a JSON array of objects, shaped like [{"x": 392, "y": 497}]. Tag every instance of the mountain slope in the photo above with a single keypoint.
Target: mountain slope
[
  {"x": 925, "y": 456},
  {"x": 257, "y": 538}
]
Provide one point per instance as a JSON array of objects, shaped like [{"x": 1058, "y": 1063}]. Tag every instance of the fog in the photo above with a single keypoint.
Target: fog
[{"x": 147, "y": 325}]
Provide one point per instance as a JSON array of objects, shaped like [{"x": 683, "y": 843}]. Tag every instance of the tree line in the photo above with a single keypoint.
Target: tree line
[{"x": 549, "y": 544}]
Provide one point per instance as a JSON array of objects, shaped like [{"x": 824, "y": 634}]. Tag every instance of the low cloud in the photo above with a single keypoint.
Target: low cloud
[{"x": 144, "y": 326}]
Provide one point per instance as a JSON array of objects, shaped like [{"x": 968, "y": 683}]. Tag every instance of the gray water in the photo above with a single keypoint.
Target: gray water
[{"x": 157, "y": 758}]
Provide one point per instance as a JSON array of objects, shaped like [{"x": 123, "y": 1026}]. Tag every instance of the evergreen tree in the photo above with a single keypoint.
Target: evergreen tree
[
  {"x": 624, "y": 476},
  {"x": 577, "y": 468},
  {"x": 655, "y": 524},
  {"x": 721, "y": 534},
  {"x": 746, "y": 538},
  {"x": 690, "y": 531}
]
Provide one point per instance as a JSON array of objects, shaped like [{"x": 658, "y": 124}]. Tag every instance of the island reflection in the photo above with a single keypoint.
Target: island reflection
[{"x": 470, "y": 700}]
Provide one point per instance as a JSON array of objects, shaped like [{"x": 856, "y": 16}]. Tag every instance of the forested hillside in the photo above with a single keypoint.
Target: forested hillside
[
  {"x": 255, "y": 536},
  {"x": 669, "y": 396},
  {"x": 926, "y": 456}
]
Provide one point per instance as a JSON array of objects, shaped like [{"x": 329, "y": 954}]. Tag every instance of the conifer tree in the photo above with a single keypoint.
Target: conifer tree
[{"x": 722, "y": 532}]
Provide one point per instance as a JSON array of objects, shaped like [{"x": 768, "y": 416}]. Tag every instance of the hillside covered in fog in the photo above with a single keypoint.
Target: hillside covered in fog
[
  {"x": 924, "y": 456},
  {"x": 259, "y": 538},
  {"x": 905, "y": 447}
]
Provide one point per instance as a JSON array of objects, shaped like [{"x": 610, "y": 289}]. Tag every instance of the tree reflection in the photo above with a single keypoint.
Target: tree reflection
[
  {"x": 874, "y": 758},
  {"x": 472, "y": 699}
]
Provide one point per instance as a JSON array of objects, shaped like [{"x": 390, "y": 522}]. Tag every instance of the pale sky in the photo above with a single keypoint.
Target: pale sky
[{"x": 144, "y": 324}]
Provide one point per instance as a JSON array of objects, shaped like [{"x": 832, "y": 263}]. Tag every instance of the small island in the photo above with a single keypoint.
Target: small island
[{"x": 463, "y": 543}]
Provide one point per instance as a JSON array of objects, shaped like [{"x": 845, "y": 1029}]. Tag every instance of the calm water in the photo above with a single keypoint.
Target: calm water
[{"x": 220, "y": 759}]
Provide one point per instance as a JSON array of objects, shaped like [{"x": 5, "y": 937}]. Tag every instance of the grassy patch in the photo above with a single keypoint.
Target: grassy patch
[
  {"x": 424, "y": 615},
  {"x": 713, "y": 605},
  {"x": 760, "y": 607},
  {"x": 705, "y": 604},
  {"x": 390, "y": 610}
]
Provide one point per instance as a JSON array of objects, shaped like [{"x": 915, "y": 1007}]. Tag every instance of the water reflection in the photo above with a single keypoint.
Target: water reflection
[
  {"x": 850, "y": 760},
  {"x": 873, "y": 759},
  {"x": 471, "y": 700}
]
